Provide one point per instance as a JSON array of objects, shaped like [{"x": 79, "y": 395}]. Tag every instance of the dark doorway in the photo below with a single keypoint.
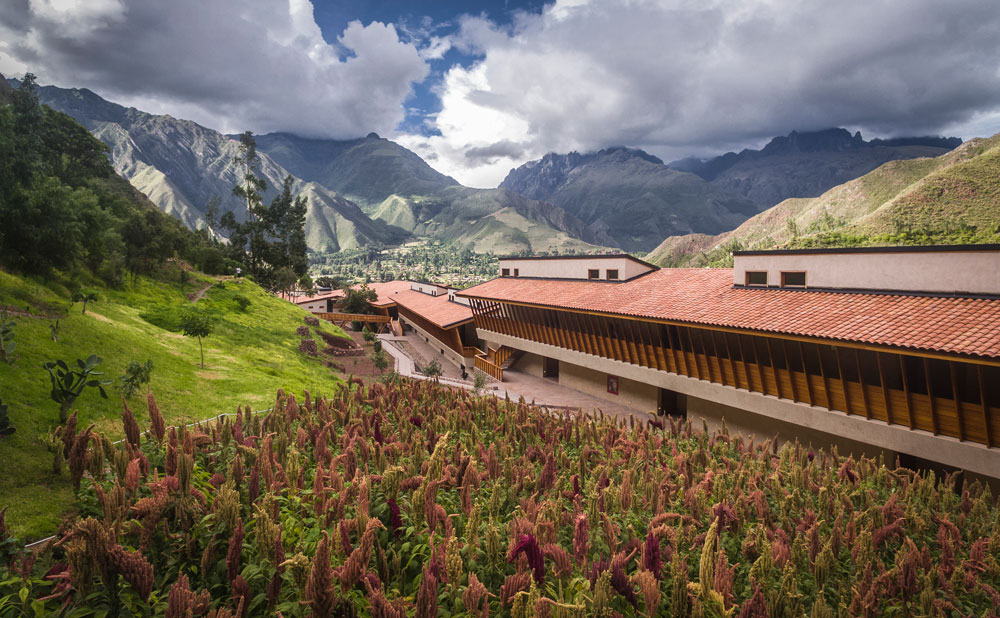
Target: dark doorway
[
  {"x": 672, "y": 403},
  {"x": 550, "y": 369}
]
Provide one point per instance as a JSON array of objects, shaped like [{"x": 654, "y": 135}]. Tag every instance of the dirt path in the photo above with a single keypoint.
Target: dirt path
[{"x": 197, "y": 295}]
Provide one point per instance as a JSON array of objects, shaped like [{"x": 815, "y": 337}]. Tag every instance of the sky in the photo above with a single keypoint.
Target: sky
[{"x": 479, "y": 87}]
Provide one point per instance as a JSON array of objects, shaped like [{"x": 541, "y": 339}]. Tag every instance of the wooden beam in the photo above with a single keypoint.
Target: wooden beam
[
  {"x": 704, "y": 352},
  {"x": 986, "y": 412},
  {"x": 958, "y": 402},
  {"x": 885, "y": 390},
  {"x": 746, "y": 365},
  {"x": 694, "y": 354},
  {"x": 826, "y": 382},
  {"x": 788, "y": 370},
  {"x": 732, "y": 363},
  {"x": 673, "y": 351},
  {"x": 906, "y": 392},
  {"x": 861, "y": 382},
  {"x": 930, "y": 396},
  {"x": 805, "y": 372},
  {"x": 843, "y": 380},
  {"x": 774, "y": 369}
]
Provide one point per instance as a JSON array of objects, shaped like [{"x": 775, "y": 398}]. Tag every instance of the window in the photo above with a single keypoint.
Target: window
[
  {"x": 756, "y": 277},
  {"x": 794, "y": 279},
  {"x": 505, "y": 272},
  {"x": 612, "y": 275},
  {"x": 594, "y": 273},
  {"x": 517, "y": 272}
]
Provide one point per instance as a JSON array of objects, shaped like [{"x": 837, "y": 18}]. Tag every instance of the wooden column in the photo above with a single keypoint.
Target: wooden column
[
  {"x": 930, "y": 396},
  {"x": 805, "y": 372},
  {"x": 861, "y": 382},
  {"x": 885, "y": 389},
  {"x": 958, "y": 402},
  {"x": 906, "y": 391},
  {"x": 826, "y": 382},
  {"x": 986, "y": 410}
]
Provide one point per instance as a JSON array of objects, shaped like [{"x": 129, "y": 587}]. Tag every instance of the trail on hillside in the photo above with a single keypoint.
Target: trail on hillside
[{"x": 197, "y": 295}]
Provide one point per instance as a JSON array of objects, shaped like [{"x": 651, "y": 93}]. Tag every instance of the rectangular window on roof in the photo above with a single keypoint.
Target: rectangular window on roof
[
  {"x": 793, "y": 279},
  {"x": 612, "y": 275},
  {"x": 505, "y": 272},
  {"x": 517, "y": 272},
  {"x": 756, "y": 277},
  {"x": 594, "y": 273}
]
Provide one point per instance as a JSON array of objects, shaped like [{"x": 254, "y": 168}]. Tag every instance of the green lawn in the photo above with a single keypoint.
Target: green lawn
[{"x": 249, "y": 355}]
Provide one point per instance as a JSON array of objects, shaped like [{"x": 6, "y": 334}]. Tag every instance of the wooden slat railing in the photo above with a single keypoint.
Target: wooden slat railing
[
  {"x": 354, "y": 317},
  {"x": 490, "y": 369},
  {"x": 471, "y": 351}
]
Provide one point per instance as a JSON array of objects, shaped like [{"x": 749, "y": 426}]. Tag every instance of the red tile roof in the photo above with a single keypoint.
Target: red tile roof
[
  {"x": 437, "y": 309},
  {"x": 386, "y": 290},
  {"x": 706, "y": 296},
  {"x": 298, "y": 300}
]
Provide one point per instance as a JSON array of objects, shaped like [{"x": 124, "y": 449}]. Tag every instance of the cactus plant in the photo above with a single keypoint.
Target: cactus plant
[{"x": 67, "y": 384}]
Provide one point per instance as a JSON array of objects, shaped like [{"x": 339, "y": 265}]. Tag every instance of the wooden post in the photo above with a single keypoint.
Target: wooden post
[
  {"x": 885, "y": 390},
  {"x": 861, "y": 382},
  {"x": 805, "y": 372},
  {"x": 826, "y": 383},
  {"x": 930, "y": 396},
  {"x": 843, "y": 380},
  {"x": 958, "y": 402},
  {"x": 986, "y": 412},
  {"x": 906, "y": 390}
]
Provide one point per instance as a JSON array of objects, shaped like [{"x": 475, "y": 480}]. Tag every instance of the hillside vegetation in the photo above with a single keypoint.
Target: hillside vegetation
[
  {"x": 409, "y": 499},
  {"x": 246, "y": 351},
  {"x": 950, "y": 199}
]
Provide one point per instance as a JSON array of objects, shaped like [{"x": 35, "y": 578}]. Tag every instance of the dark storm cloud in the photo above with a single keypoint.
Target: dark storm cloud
[
  {"x": 228, "y": 63},
  {"x": 684, "y": 75}
]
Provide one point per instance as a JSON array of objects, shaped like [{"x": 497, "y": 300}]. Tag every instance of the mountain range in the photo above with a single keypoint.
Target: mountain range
[
  {"x": 372, "y": 191},
  {"x": 806, "y": 164},
  {"x": 950, "y": 199}
]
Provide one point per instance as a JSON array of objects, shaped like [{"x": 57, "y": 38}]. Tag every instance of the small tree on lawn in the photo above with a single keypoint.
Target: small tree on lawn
[
  {"x": 367, "y": 334},
  {"x": 84, "y": 297},
  {"x": 380, "y": 359},
  {"x": 197, "y": 324},
  {"x": 7, "y": 343}
]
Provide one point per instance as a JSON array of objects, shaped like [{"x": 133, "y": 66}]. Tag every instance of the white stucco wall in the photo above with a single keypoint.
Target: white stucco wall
[
  {"x": 974, "y": 272},
  {"x": 636, "y": 395},
  {"x": 574, "y": 268},
  {"x": 317, "y": 306}
]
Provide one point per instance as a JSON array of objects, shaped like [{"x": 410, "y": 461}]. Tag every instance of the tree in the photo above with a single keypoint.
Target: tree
[
  {"x": 84, "y": 297},
  {"x": 136, "y": 374},
  {"x": 380, "y": 359},
  {"x": 432, "y": 370},
  {"x": 356, "y": 300},
  {"x": 306, "y": 283},
  {"x": 197, "y": 324},
  {"x": 67, "y": 384},
  {"x": 6, "y": 427}
]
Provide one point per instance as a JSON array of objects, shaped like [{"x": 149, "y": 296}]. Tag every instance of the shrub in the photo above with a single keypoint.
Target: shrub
[
  {"x": 242, "y": 302},
  {"x": 68, "y": 384},
  {"x": 6, "y": 426},
  {"x": 136, "y": 374},
  {"x": 432, "y": 369},
  {"x": 7, "y": 343},
  {"x": 85, "y": 298},
  {"x": 367, "y": 334}
]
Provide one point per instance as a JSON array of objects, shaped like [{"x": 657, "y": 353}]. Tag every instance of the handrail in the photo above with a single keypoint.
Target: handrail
[
  {"x": 494, "y": 371},
  {"x": 354, "y": 317},
  {"x": 471, "y": 351}
]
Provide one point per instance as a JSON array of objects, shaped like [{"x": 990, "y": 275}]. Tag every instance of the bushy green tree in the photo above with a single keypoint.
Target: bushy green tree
[
  {"x": 136, "y": 374},
  {"x": 7, "y": 343},
  {"x": 85, "y": 298},
  {"x": 356, "y": 300}
]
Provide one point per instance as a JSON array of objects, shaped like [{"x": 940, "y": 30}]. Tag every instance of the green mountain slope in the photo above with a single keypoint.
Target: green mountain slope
[
  {"x": 948, "y": 199},
  {"x": 181, "y": 165},
  {"x": 365, "y": 171},
  {"x": 249, "y": 354},
  {"x": 394, "y": 185},
  {"x": 628, "y": 196}
]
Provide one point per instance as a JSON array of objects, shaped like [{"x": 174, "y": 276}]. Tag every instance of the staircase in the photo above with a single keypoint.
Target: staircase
[
  {"x": 396, "y": 327},
  {"x": 505, "y": 357}
]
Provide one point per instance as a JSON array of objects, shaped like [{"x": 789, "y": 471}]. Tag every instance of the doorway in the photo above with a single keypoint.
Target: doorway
[
  {"x": 672, "y": 403},
  {"x": 550, "y": 368}
]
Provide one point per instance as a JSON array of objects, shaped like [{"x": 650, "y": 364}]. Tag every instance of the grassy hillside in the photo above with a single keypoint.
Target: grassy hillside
[
  {"x": 249, "y": 354},
  {"x": 945, "y": 200}
]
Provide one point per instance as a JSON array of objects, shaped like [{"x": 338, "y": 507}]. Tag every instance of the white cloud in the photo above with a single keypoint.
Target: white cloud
[
  {"x": 678, "y": 76},
  {"x": 229, "y": 64}
]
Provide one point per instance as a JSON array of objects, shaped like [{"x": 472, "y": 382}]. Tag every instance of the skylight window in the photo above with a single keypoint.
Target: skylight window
[
  {"x": 756, "y": 277},
  {"x": 793, "y": 279}
]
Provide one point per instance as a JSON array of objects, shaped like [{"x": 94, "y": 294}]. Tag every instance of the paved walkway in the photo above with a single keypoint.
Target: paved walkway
[{"x": 540, "y": 391}]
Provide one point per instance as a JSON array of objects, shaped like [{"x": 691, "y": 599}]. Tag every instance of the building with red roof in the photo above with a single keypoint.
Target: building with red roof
[{"x": 880, "y": 350}]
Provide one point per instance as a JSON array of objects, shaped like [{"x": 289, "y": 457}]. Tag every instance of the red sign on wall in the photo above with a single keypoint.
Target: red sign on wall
[{"x": 613, "y": 385}]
